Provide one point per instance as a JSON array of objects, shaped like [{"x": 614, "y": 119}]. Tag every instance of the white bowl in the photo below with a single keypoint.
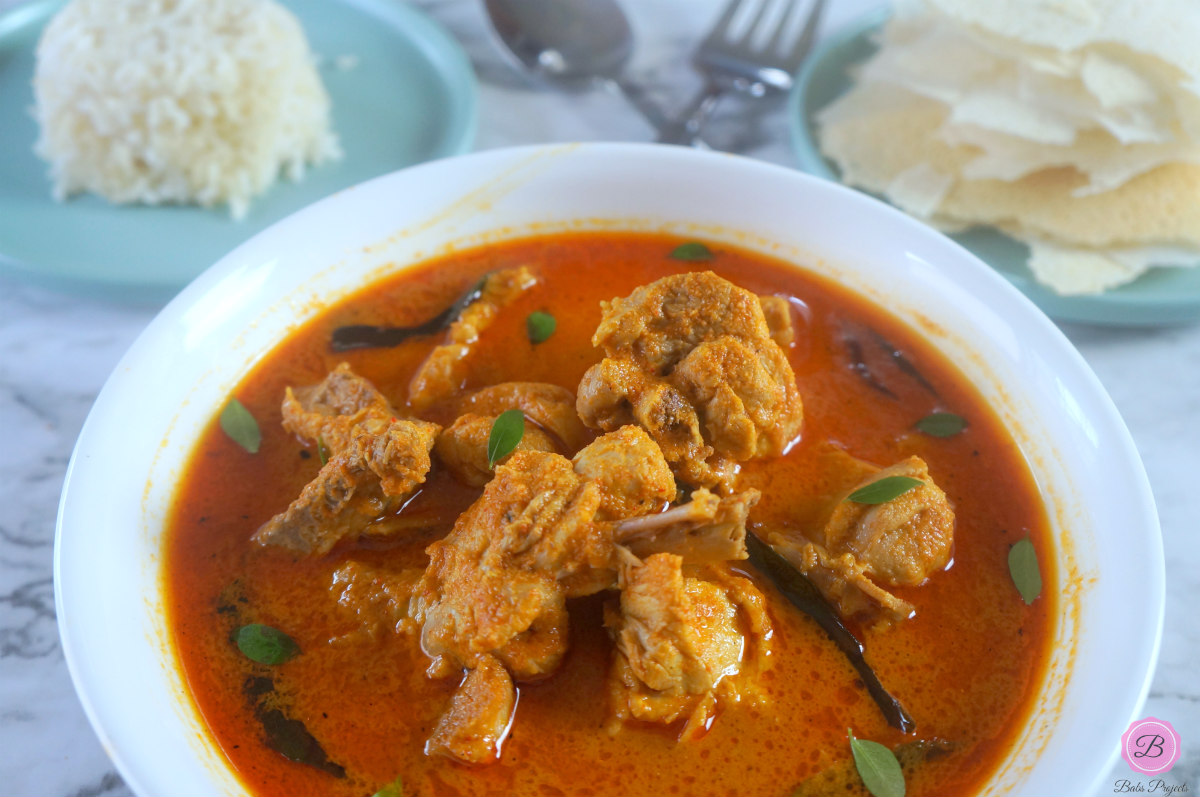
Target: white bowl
[{"x": 179, "y": 372}]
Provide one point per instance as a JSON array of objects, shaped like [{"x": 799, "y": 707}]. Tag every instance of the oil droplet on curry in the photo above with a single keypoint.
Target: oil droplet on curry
[{"x": 574, "y": 614}]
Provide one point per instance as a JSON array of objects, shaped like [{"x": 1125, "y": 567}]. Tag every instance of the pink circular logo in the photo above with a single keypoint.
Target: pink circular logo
[{"x": 1150, "y": 746}]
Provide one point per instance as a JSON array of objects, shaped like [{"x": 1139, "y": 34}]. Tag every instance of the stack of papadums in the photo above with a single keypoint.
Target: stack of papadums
[{"x": 1072, "y": 125}]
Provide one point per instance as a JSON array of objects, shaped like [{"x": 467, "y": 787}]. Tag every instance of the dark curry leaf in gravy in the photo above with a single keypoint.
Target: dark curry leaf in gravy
[
  {"x": 1023, "y": 567},
  {"x": 691, "y": 251},
  {"x": 393, "y": 789},
  {"x": 804, "y": 595},
  {"x": 883, "y": 490},
  {"x": 877, "y": 766},
  {"x": 239, "y": 424},
  {"x": 540, "y": 326},
  {"x": 365, "y": 336},
  {"x": 942, "y": 424},
  {"x": 266, "y": 645},
  {"x": 507, "y": 431}
]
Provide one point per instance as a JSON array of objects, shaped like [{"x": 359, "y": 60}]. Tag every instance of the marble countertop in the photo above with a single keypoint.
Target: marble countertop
[{"x": 56, "y": 351}]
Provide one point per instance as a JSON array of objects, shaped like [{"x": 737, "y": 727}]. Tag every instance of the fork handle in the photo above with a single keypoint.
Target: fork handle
[{"x": 685, "y": 129}]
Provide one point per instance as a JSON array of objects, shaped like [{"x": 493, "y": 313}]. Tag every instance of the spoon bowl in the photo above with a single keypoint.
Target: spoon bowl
[{"x": 572, "y": 44}]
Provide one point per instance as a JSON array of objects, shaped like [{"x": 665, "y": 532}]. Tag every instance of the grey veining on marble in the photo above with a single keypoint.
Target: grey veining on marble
[{"x": 56, "y": 351}]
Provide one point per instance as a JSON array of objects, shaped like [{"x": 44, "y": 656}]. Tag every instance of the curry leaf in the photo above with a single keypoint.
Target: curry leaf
[
  {"x": 1023, "y": 567},
  {"x": 883, "y": 490},
  {"x": 322, "y": 451},
  {"x": 265, "y": 644},
  {"x": 877, "y": 766},
  {"x": 393, "y": 789},
  {"x": 239, "y": 424},
  {"x": 507, "y": 431},
  {"x": 540, "y": 326},
  {"x": 692, "y": 250},
  {"x": 942, "y": 424}
]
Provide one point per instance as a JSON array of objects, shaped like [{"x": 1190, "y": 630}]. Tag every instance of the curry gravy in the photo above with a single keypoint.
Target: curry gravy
[{"x": 967, "y": 667}]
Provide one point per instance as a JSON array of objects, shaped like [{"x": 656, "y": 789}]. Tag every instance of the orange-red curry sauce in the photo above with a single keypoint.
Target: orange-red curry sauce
[{"x": 966, "y": 667}]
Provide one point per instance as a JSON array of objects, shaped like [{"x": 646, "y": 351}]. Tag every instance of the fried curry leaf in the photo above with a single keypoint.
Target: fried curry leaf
[
  {"x": 322, "y": 451},
  {"x": 239, "y": 424},
  {"x": 942, "y": 424},
  {"x": 540, "y": 326},
  {"x": 692, "y": 251},
  {"x": 877, "y": 766},
  {"x": 507, "y": 431},
  {"x": 265, "y": 644},
  {"x": 883, "y": 490},
  {"x": 362, "y": 336},
  {"x": 393, "y": 789},
  {"x": 1023, "y": 567},
  {"x": 805, "y": 596}
]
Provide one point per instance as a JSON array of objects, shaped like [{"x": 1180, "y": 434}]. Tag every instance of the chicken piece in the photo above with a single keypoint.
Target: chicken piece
[
  {"x": 384, "y": 464},
  {"x": 540, "y": 533},
  {"x": 899, "y": 542},
  {"x": 478, "y": 719},
  {"x": 444, "y": 370},
  {"x": 377, "y": 597},
  {"x": 681, "y": 642},
  {"x": 617, "y": 392},
  {"x": 329, "y": 411},
  {"x": 691, "y": 359},
  {"x": 778, "y": 312},
  {"x": 629, "y": 467},
  {"x": 549, "y": 406},
  {"x": 497, "y": 575},
  {"x": 748, "y": 409},
  {"x": 467, "y": 610},
  {"x": 462, "y": 447}
]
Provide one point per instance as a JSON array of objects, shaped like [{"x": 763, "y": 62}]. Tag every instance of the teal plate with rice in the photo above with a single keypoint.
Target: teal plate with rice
[
  {"x": 1161, "y": 296},
  {"x": 402, "y": 92}
]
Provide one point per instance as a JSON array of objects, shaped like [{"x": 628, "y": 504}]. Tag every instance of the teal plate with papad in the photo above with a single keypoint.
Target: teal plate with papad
[
  {"x": 1161, "y": 296},
  {"x": 402, "y": 92}
]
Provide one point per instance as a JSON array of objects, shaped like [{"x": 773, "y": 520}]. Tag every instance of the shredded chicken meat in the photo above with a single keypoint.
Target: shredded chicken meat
[{"x": 692, "y": 359}]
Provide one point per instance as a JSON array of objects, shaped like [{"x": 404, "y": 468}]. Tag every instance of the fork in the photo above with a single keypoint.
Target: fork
[{"x": 748, "y": 57}]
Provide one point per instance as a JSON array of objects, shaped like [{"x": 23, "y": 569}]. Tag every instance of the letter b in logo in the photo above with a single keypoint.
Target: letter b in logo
[{"x": 1150, "y": 746}]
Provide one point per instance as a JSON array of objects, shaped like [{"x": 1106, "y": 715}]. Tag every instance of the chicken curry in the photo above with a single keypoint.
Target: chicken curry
[{"x": 499, "y": 528}]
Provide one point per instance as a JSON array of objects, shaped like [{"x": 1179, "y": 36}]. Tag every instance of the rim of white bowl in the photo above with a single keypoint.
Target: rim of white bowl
[{"x": 88, "y": 620}]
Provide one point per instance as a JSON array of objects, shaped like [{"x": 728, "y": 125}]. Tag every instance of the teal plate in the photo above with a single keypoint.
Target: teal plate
[
  {"x": 1160, "y": 296},
  {"x": 410, "y": 97}
]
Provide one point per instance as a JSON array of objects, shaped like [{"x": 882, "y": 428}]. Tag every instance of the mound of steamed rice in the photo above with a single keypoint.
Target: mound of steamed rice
[{"x": 178, "y": 101}]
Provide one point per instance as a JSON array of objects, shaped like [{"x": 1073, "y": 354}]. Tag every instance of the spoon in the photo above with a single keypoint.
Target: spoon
[{"x": 572, "y": 43}]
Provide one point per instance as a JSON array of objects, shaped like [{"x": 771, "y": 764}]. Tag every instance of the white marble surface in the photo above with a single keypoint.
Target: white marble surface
[{"x": 56, "y": 351}]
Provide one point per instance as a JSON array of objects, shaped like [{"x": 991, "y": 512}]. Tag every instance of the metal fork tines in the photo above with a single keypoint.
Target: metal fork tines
[{"x": 755, "y": 47}]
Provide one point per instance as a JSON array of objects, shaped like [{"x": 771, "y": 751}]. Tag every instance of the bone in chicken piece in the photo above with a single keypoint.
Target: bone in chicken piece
[
  {"x": 549, "y": 406},
  {"x": 691, "y": 359},
  {"x": 442, "y": 373},
  {"x": 540, "y": 533},
  {"x": 897, "y": 543},
  {"x": 478, "y": 719},
  {"x": 682, "y": 643},
  {"x": 384, "y": 464},
  {"x": 462, "y": 447},
  {"x": 329, "y": 411}
]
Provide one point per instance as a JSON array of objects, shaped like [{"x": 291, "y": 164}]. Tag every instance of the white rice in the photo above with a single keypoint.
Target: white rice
[{"x": 178, "y": 101}]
